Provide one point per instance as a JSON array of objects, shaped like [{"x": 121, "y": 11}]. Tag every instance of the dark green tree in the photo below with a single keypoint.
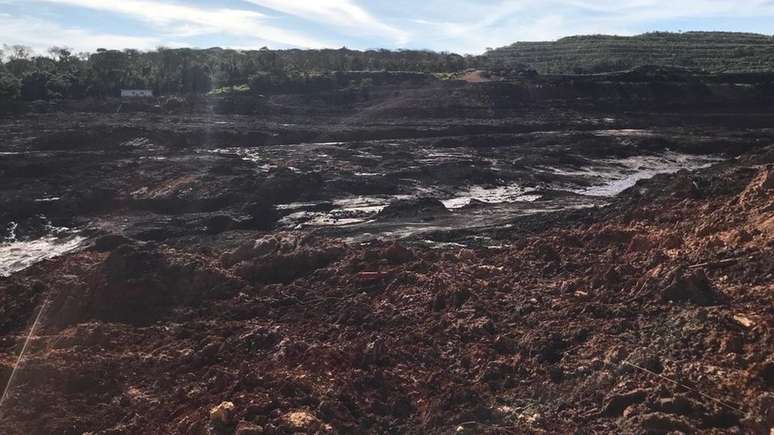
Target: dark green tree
[
  {"x": 34, "y": 85},
  {"x": 10, "y": 87}
]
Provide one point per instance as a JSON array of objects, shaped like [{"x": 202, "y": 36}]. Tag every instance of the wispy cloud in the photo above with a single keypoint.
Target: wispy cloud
[
  {"x": 180, "y": 20},
  {"x": 466, "y": 26},
  {"x": 343, "y": 14},
  {"x": 42, "y": 34},
  {"x": 507, "y": 21}
]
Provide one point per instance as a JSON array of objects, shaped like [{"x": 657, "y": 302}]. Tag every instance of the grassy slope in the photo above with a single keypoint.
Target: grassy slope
[{"x": 710, "y": 51}]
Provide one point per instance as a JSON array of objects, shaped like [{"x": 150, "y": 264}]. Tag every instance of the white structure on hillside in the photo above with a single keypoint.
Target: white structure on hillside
[{"x": 136, "y": 93}]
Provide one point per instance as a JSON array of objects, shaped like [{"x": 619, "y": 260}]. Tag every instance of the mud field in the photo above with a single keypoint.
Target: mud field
[{"x": 428, "y": 261}]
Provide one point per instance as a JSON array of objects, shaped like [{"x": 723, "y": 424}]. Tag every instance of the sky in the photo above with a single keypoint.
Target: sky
[{"x": 461, "y": 26}]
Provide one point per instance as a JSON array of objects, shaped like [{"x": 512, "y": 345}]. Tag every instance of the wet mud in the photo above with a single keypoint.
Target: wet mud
[{"x": 524, "y": 272}]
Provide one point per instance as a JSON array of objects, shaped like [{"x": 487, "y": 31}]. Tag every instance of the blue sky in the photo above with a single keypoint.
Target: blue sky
[{"x": 463, "y": 26}]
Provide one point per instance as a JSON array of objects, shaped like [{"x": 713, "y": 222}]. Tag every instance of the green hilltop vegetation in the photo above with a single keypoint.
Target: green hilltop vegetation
[
  {"x": 63, "y": 74},
  {"x": 715, "y": 52}
]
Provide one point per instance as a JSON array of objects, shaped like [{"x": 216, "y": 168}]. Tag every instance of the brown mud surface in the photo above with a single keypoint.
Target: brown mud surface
[{"x": 211, "y": 296}]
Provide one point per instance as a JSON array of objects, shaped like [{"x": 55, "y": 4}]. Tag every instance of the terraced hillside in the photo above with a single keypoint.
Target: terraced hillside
[{"x": 710, "y": 51}]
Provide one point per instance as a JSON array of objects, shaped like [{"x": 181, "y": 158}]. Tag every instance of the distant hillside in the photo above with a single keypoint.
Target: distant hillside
[{"x": 709, "y": 51}]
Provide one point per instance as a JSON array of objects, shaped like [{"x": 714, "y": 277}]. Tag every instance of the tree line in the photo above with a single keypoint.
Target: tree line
[
  {"x": 714, "y": 52},
  {"x": 62, "y": 73}
]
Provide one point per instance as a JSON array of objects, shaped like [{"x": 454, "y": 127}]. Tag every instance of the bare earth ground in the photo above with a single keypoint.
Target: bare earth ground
[{"x": 190, "y": 311}]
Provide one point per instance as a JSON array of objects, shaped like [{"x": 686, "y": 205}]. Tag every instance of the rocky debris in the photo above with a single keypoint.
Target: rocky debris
[
  {"x": 281, "y": 258},
  {"x": 659, "y": 423},
  {"x": 532, "y": 327},
  {"x": 247, "y": 428},
  {"x": 304, "y": 421},
  {"x": 137, "y": 284},
  {"x": 223, "y": 414},
  {"x": 675, "y": 405},
  {"x": 759, "y": 188},
  {"x": 617, "y": 404},
  {"x": 683, "y": 285},
  {"x": 178, "y": 195},
  {"x": 680, "y": 285}
]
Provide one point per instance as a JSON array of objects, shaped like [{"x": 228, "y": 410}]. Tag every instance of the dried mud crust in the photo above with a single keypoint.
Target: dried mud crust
[{"x": 653, "y": 315}]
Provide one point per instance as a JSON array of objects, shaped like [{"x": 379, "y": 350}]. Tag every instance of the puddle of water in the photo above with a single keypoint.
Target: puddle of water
[
  {"x": 634, "y": 169},
  {"x": 612, "y": 176},
  {"x": 17, "y": 255},
  {"x": 346, "y": 211},
  {"x": 296, "y": 205},
  {"x": 494, "y": 195},
  {"x": 595, "y": 179},
  {"x": 624, "y": 132}
]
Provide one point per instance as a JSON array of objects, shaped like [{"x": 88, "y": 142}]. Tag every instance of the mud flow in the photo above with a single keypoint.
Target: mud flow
[{"x": 445, "y": 258}]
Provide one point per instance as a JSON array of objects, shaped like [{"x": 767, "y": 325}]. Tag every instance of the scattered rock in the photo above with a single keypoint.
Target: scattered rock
[
  {"x": 672, "y": 241},
  {"x": 674, "y": 405},
  {"x": 616, "y": 404},
  {"x": 663, "y": 423},
  {"x": 247, "y": 428},
  {"x": 303, "y": 421},
  {"x": 650, "y": 362},
  {"x": 744, "y": 321},
  {"x": 482, "y": 326},
  {"x": 685, "y": 285},
  {"x": 281, "y": 258},
  {"x": 758, "y": 187},
  {"x": 223, "y": 414}
]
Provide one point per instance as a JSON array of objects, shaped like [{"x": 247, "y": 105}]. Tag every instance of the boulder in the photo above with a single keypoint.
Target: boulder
[
  {"x": 415, "y": 208},
  {"x": 223, "y": 414},
  {"x": 691, "y": 286},
  {"x": 247, "y": 428},
  {"x": 263, "y": 216},
  {"x": 616, "y": 404},
  {"x": 304, "y": 422}
]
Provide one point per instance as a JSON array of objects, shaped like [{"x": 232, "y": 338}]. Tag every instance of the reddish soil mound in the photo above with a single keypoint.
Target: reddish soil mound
[{"x": 655, "y": 317}]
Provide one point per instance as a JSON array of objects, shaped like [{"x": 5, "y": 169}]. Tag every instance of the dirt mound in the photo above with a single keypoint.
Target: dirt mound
[
  {"x": 681, "y": 285},
  {"x": 281, "y": 258},
  {"x": 136, "y": 284},
  {"x": 761, "y": 188}
]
